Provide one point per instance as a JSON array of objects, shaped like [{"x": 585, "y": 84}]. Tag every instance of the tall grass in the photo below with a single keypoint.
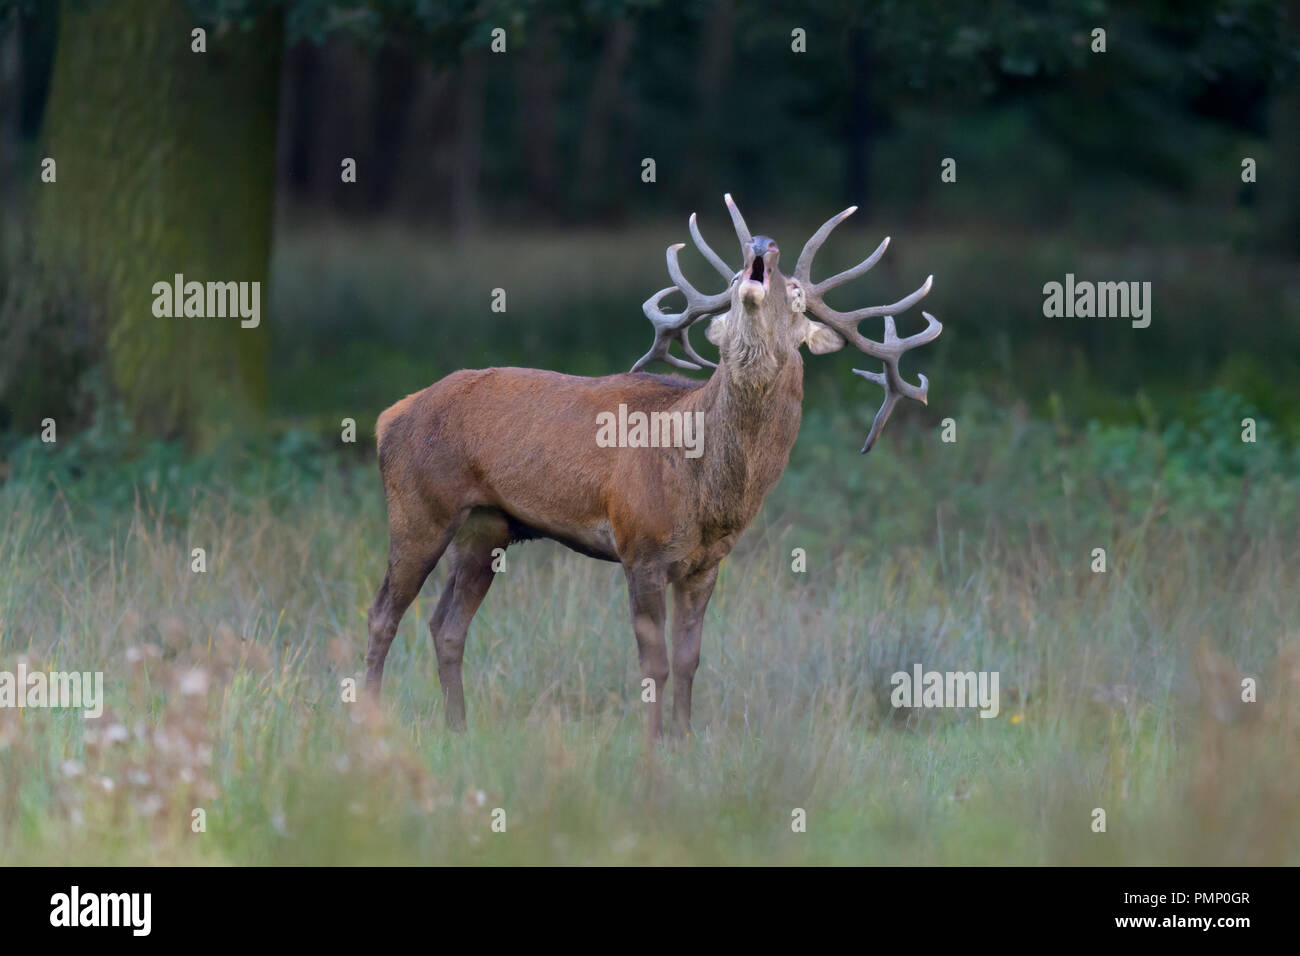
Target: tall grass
[{"x": 1118, "y": 690}]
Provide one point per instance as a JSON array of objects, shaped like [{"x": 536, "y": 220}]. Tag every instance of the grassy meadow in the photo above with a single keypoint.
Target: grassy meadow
[{"x": 1119, "y": 690}]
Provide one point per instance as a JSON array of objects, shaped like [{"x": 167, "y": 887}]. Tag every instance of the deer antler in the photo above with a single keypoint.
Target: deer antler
[
  {"x": 675, "y": 326},
  {"x": 846, "y": 324}
]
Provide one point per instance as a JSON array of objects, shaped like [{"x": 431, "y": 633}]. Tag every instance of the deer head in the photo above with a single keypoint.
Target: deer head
[{"x": 764, "y": 314}]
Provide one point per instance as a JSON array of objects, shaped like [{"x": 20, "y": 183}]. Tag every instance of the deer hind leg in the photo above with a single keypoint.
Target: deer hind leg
[
  {"x": 646, "y": 589},
  {"x": 471, "y": 575},
  {"x": 410, "y": 559},
  {"x": 690, "y": 598}
]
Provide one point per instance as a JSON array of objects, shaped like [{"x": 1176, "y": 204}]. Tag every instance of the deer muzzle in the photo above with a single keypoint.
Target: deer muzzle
[{"x": 760, "y": 262}]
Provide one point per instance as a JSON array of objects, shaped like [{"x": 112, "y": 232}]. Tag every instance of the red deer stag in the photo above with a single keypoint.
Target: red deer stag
[{"x": 485, "y": 458}]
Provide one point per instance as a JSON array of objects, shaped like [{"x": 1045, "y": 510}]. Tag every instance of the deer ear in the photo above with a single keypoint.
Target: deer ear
[
  {"x": 717, "y": 328},
  {"x": 821, "y": 339}
]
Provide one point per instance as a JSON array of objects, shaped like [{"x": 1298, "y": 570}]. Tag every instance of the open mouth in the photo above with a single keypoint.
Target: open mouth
[
  {"x": 756, "y": 275},
  {"x": 753, "y": 287}
]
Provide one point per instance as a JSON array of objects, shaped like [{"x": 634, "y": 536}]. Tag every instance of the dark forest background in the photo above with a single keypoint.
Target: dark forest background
[{"x": 522, "y": 170}]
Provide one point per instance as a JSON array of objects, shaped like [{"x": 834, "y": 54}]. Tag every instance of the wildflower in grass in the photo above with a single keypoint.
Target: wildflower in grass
[
  {"x": 193, "y": 682},
  {"x": 149, "y": 804}
]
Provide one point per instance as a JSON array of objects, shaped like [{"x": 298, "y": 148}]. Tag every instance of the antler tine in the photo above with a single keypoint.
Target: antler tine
[
  {"x": 891, "y": 349},
  {"x": 861, "y": 268},
  {"x": 663, "y": 339},
  {"x": 891, "y": 380},
  {"x": 715, "y": 260},
  {"x": 803, "y": 268},
  {"x": 670, "y": 326},
  {"x": 831, "y": 316},
  {"x": 886, "y": 407},
  {"x": 742, "y": 230},
  {"x": 846, "y": 324}
]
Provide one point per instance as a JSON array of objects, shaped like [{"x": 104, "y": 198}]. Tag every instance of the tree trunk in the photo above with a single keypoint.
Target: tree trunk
[
  {"x": 469, "y": 146},
  {"x": 424, "y": 167},
  {"x": 10, "y": 112},
  {"x": 165, "y": 165},
  {"x": 858, "y": 171},
  {"x": 297, "y": 151},
  {"x": 540, "y": 75},
  {"x": 592, "y": 148},
  {"x": 1282, "y": 218},
  {"x": 713, "y": 71},
  {"x": 395, "y": 71}
]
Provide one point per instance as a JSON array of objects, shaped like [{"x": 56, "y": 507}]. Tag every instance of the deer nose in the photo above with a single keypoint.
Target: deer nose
[{"x": 761, "y": 245}]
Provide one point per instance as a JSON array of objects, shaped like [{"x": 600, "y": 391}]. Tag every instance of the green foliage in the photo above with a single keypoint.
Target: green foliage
[{"x": 107, "y": 466}]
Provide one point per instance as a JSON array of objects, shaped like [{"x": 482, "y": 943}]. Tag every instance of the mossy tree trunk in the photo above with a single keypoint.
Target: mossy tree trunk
[{"x": 165, "y": 162}]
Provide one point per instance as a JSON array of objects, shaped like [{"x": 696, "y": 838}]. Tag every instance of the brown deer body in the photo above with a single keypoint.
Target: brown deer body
[{"x": 485, "y": 458}]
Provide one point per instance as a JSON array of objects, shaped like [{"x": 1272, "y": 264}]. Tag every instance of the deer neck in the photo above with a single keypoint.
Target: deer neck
[{"x": 752, "y": 407}]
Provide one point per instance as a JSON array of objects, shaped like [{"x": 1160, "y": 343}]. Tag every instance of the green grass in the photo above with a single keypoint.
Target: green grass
[{"x": 1117, "y": 689}]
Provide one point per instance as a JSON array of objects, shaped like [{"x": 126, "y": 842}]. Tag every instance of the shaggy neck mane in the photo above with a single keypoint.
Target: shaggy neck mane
[{"x": 752, "y": 407}]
